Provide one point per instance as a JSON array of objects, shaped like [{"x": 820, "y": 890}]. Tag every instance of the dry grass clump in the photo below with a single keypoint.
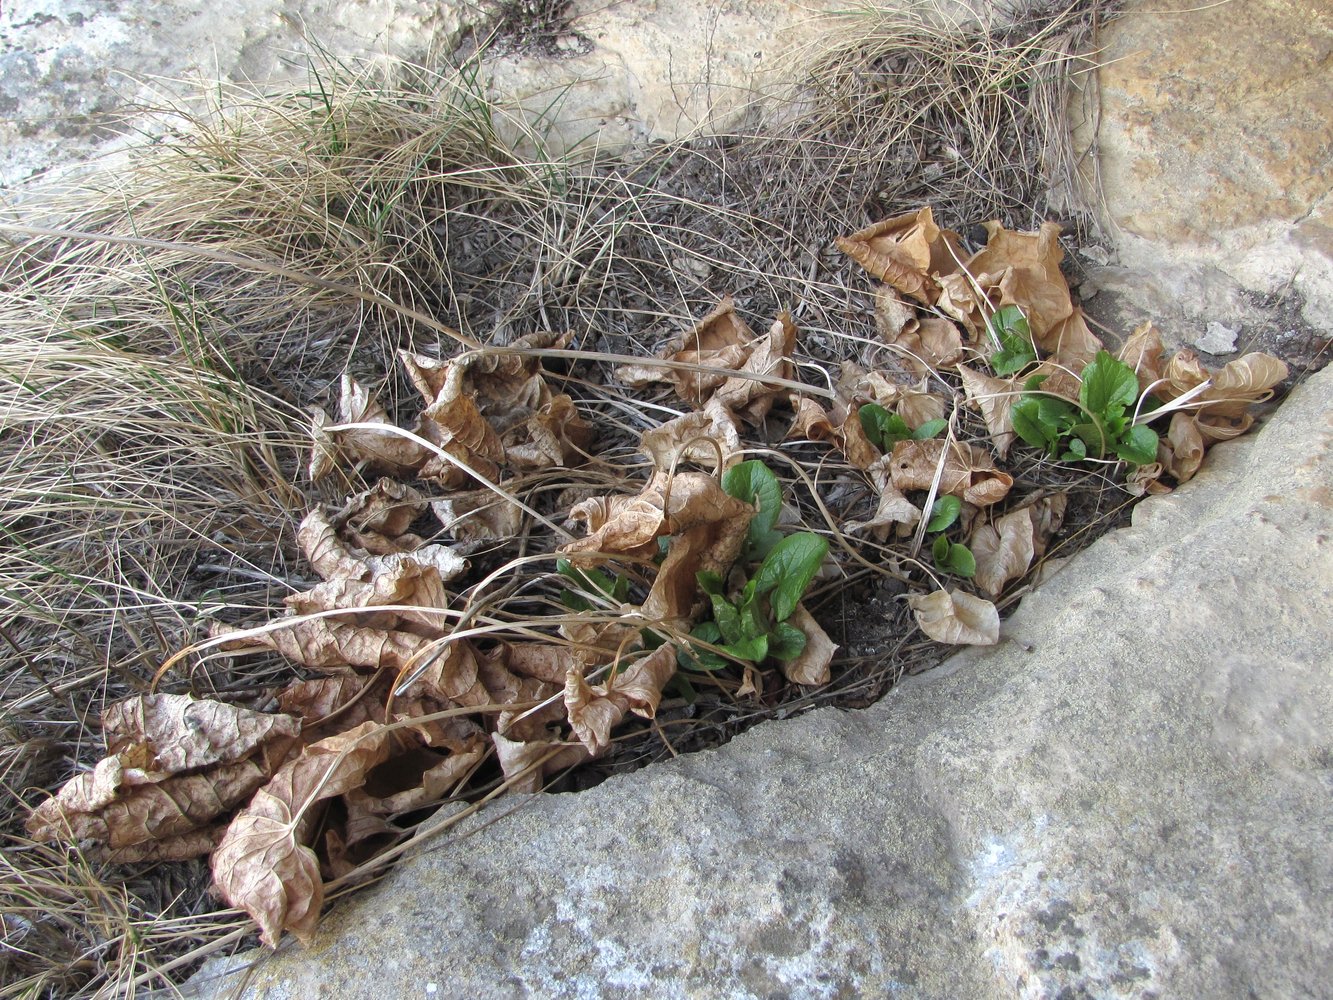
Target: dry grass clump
[{"x": 164, "y": 335}]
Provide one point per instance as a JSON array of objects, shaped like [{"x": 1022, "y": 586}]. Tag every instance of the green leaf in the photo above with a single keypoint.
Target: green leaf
[
  {"x": 590, "y": 581},
  {"x": 709, "y": 582},
  {"x": 786, "y": 642},
  {"x": 929, "y": 429},
  {"x": 1139, "y": 446},
  {"x": 788, "y": 570},
  {"x": 953, "y": 557},
  {"x": 961, "y": 562},
  {"x": 754, "y": 649},
  {"x": 940, "y": 550},
  {"x": 1107, "y": 382},
  {"x": 943, "y": 513},
  {"x": 753, "y": 621},
  {"x": 727, "y": 617},
  {"x": 707, "y": 631},
  {"x": 884, "y": 429},
  {"x": 1026, "y": 416},
  {"x": 753, "y": 482},
  {"x": 1076, "y": 452},
  {"x": 1010, "y": 330}
]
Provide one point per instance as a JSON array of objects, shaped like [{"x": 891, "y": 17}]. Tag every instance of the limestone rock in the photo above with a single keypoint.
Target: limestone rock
[
  {"x": 1213, "y": 149},
  {"x": 75, "y": 75},
  {"x": 1129, "y": 797}
]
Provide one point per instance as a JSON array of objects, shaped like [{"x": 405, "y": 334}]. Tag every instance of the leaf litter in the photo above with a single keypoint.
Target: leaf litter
[
  {"x": 432, "y": 616},
  {"x": 408, "y": 680}
]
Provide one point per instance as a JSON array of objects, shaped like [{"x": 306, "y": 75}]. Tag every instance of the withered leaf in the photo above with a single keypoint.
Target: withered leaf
[
  {"x": 904, "y": 251},
  {"x": 968, "y": 472},
  {"x": 720, "y": 340},
  {"x": 120, "y": 807},
  {"x": 893, "y": 508},
  {"x": 1143, "y": 352},
  {"x": 1003, "y": 550},
  {"x": 525, "y": 765},
  {"x": 594, "y": 710},
  {"x": 181, "y": 847},
  {"x": 478, "y": 515},
  {"x": 751, "y": 398},
  {"x": 388, "y": 508},
  {"x": 170, "y": 733},
  {"x": 704, "y": 437},
  {"x": 995, "y": 398},
  {"x": 263, "y": 864},
  {"x": 956, "y": 617},
  {"x": 385, "y": 452},
  {"x": 1025, "y": 268},
  {"x": 1070, "y": 342},
  {"x": 892, "y": 315},
  {"x": 1184, "y": 446},
  {"x": 811, "y": 667}
]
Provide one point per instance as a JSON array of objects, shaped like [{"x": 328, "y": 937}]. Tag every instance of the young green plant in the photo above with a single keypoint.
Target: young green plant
[
  {"x": 1101, "y": 424},
  {"x": 753, "y": 625}
]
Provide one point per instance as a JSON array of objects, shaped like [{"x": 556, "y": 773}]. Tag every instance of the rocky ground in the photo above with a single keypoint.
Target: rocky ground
[{"x": 1128, "y": 798}]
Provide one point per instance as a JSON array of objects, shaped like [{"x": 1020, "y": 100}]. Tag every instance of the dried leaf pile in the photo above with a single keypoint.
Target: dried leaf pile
[{"x": 412, "y": 694}]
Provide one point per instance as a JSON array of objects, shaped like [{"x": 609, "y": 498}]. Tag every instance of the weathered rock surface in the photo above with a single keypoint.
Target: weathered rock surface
[
  {"x": 1215, "y": 156},
  {"x": 1129, "y": 797},
  {"x": 75, "y": 75}
]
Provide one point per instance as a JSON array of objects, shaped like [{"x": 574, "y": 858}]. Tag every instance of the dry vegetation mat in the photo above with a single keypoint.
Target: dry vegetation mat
[{"x": 359, "y": 470}]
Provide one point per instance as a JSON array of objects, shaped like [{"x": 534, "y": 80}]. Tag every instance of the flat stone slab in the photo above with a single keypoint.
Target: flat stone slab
[{"x": 1128, "y": 797}]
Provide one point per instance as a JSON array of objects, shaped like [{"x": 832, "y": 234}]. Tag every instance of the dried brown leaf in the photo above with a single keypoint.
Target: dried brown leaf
[
  {"x": 893, "y": 510},
  {"x": 119, "y": 807},
  {"x": 1143, "y": 352},
  {"x": 1070, "y": 342},
  {"x": 893, "y": 316},
  {"x": 170, "y": 733},
  {"x": 995, "y": 398},
  {"x": 478, "y": 515},
  {"x": 526, "y": 764},
  {"x": 811, "y": 667},
  {"x": 388, "y": 508},
  {"x": 1184, "y": 447},
  {"x": 904, "y": 251},
  {"x": 956, "y": 617},
  {"x": 1003, "y": 550},
  {"x": 1025, "y": 268},
  {"x": 594, "y": 710},
  {"x": 751, "y": 398},
  {"x": 263, "y": 864},
  {"x": 968, "y": 472},
  {"x": 705, "y": 437}
]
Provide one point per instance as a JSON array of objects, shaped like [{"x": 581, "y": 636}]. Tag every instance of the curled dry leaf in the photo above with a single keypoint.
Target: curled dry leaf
[
  {"x": 478, "y": 515},
  {"x": 904, "y": 252},
  {"x": 182, "y": 847},
  {"x": 388, "y": 508},
  {"x": 1143, "y": 352},
  {"x": 704, "y": 437},
  {"x": 956, "y": 617},
  {"x": 333, "y": 558},
  {"x": 631, "y": 526},
  {"x": 170, "y": 733},
  {"x": 893, "y": 316},
  {"x": 751, "y": 398},
  {"x": 1070, "y": 342},
  {"x": 1184, "y": 447},
  {"x": 526, "y": 765},
  {"x": 720, "y": 340},
  {"x": 594, "y": 710},
  {"x": 968, "y": 472},
  {"x": 1025, "y": 269},
  {"x": 416, "y": 779},
  {"x": 118, "y": 807},
  {"x": 811, "y": 667},
  {"x": 339, "y": 701},
  {"x": 1146, "y": 479},
  {"x": 1003, "y": 550},
  {"x": 386, "y": 452},
  {"x": 893, "y": 510},
  {"x": 994, "y": 397},
  {"x": 263, "y": 864}
]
